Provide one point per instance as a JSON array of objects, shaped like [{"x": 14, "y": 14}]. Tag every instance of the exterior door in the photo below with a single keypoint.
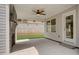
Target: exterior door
[{"x": 69, "y": 26}]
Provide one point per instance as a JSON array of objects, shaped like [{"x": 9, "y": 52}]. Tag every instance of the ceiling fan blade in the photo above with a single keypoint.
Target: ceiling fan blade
[
  {"x": 42, "y": 11},
  {"x": 42, "y": 14}
]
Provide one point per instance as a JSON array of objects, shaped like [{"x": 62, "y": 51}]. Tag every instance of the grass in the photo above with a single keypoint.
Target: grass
[{"x": 29, "y": 36}]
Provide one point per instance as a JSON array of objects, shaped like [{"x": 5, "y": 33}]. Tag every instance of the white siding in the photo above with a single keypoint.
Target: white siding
[{"x": 2, "y": 29}]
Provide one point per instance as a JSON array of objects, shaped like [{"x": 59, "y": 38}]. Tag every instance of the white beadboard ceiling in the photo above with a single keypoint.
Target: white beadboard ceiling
[{"x": 24, "y": 11}]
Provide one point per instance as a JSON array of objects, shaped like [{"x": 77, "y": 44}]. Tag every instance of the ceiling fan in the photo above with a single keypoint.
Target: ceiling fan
[{"x": 39, "y": 12}]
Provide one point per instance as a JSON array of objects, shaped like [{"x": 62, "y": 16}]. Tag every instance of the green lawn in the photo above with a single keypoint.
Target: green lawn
[{"x": 30, "y": 36}]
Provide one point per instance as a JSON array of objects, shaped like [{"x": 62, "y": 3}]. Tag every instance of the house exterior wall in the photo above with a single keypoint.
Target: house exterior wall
[
  {"x": 54, "y": 35},
  {"x": 58, "y": 35}
]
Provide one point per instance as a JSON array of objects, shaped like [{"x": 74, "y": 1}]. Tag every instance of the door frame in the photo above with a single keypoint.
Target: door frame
[{"x": 73, "y": 12}]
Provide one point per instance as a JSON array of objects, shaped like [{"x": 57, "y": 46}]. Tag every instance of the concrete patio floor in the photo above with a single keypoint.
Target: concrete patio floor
[{"x": 41, "y": 47}]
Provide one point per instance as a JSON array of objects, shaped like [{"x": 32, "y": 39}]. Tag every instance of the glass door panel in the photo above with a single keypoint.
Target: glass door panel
[{"x": 69, "y": 27}]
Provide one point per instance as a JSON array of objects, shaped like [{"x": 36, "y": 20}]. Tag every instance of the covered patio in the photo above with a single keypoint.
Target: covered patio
[
  {"x": 59, "y": 22},
  {"x": 52, "y": 20}
]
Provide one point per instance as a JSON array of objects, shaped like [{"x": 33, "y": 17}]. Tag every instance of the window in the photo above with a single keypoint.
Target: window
[
  {"x": 53, "y": 25},
  {"x": 48, "y": 26}
]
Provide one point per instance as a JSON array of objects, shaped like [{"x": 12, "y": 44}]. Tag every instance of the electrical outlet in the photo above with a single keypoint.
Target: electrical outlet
[{"x": 59, "y": 36}]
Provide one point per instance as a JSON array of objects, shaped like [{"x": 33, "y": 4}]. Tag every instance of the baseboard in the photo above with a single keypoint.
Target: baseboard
[
  {"x": 53, "y": 40},
  {"x": 64, "y": 44}
]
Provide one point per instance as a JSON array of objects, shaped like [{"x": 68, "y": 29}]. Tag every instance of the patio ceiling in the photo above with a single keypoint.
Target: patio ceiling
[{"x": 24, "y": 11}]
